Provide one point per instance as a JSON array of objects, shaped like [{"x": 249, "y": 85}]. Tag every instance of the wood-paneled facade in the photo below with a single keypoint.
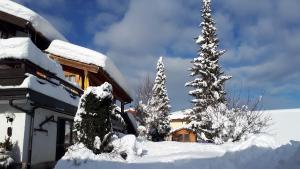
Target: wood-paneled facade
[
  {"x": 85, "y": 75},
  {"x": 184, "y": 135}
]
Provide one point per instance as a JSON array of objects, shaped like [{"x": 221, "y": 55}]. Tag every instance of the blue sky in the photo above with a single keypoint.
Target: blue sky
[{"x": 262, "y": 39}]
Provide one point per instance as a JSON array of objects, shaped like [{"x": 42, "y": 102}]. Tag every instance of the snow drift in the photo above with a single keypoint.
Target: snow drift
[{"x": 259, "y": 152}]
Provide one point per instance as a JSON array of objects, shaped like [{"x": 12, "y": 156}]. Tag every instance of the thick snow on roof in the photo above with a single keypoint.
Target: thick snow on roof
[
  {"x": 181, "y": 114},
  {"x": 57, "y": 92},
  {"x": 88, "y": 56},
  {"x": 38, "y": 22},
  {"x": 23, "y": 48}
]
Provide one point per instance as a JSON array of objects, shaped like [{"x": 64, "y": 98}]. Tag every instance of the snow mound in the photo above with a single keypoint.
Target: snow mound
[
  {"x": 78, "y": 156},
  {"x": 259, "y": 152},
  {"x": 23, "y": 48},
  {"x": 285, "y": 124},
  {"x": 38, "y": 22},
  {"x": 128, "y": 144},
  {"x": 81, "y": 54}
]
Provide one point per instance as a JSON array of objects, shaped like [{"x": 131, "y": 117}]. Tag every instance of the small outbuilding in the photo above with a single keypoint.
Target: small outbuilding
[{"x": 184, "y": 135}]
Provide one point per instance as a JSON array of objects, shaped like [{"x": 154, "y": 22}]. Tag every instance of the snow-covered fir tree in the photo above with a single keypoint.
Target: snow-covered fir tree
[
  {"x": 158, "y": 123},
  {"x": 208, "y": 84}
]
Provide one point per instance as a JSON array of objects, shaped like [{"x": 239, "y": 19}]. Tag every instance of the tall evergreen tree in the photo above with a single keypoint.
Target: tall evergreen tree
[
  {"x": 208, "y": 85},
  {"x": 158, "y": 123}
]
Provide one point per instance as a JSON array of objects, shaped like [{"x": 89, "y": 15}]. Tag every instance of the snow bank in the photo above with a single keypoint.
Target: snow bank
[
  {"x": 78, "y": 156},
  {"x": 285, "y": 125},
  {"x": 88, "y": 56},
  {"x": 55, "y": 91},
  {"x": 259, "y": 152},
  {"x": 38, "y": 22},
  {"x": 23, "y": 48}
]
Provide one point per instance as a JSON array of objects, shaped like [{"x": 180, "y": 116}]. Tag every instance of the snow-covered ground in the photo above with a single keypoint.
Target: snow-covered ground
[
  {"x": 259, "y": 152},
  {"x": 264, "y": 151},
  {"x": 285, "y": 124}
]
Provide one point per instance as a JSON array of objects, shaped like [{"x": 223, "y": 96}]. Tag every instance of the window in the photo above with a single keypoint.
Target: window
[
  {"x": 7, "y": 66},
  {"x": 68, "y": 135},
  {"x": 64, "y": 136},
  {"x": 71, "y": 78},
  {"x": 180, "y": 137},
  {"x": 186, "y": 138}
]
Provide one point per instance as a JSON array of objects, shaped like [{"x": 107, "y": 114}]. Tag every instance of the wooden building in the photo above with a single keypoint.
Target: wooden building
[
  {"x": 184, "y": 135},
  {"x": 42, "y": 102},
  {"x": 179, "y": 130},
  {"x": 86, "y": 67},
  {"x": 44, "y": 95}
]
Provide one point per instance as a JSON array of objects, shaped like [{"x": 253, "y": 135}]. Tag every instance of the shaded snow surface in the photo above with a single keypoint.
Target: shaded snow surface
[{"x": 259, "y": 152}]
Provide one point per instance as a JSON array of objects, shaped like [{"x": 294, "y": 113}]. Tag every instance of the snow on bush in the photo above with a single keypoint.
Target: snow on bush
[
  {"x": 230, "y": 125},
  {"x": 5, "y": 159},
  {"x": 92, "y": 122},
  {"x": 126, "y": 148}
]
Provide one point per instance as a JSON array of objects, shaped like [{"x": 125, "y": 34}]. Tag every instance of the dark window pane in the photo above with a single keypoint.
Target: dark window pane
[{"x": 67, "y": 132}]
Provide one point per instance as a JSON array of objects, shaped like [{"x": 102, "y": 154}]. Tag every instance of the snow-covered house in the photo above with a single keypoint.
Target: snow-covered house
[
  {"x": 19, "y": 21},
  {"x": 85, "y": 67},
  {"x": 36, "y": 92},
  {"x": 179, "y": 129},
  {"x": 33, "y": 91}
]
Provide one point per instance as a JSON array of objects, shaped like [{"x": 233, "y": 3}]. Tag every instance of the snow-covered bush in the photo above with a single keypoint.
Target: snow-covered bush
[
  {"x": 92, "y": 123},
  {"x": 5, "y": 159},
  {"x": 247, "y": 121},
  {"x": 230, "y": 124},
  {"x": 142, "y": 132},
  {"x": 142, "y": 114},
  {"x": 127, "y": 146}
]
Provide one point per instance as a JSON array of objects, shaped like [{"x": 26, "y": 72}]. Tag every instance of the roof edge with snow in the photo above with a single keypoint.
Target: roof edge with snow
[
  {"x": 39, "y": 23},
  {"x": 81, "y": 54}
]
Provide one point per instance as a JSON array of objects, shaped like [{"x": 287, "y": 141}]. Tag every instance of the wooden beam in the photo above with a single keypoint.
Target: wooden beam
[
  {"x": 75, "y": 64},
  {"x": 86, "y": 80}
]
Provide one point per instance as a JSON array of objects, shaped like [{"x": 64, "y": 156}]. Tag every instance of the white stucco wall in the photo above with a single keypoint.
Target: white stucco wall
[
  {"x": 44, "y": 144},
  {"x": 175, "y": 124},
  {"x": 19, "y": 136}
]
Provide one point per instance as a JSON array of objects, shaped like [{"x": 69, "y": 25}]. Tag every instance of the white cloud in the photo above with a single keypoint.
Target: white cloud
[{"x": 262, "y": 48}]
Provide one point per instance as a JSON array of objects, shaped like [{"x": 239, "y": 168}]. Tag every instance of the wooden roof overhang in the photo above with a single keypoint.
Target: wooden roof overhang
[
  {"x": 96, "y": 73},
  {"x": 38, "y": 37},
  {"x": 37, "y": 99}
]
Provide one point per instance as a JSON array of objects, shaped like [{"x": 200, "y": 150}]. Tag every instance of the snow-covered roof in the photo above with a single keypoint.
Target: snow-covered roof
[
  {"x": 181, "y": 114},
  {"x": 57, "y": 92},
  {"x": 23, "y": 48},
  {"x": 38, "y": 22},
  {"x": 81, "y": 54}
]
